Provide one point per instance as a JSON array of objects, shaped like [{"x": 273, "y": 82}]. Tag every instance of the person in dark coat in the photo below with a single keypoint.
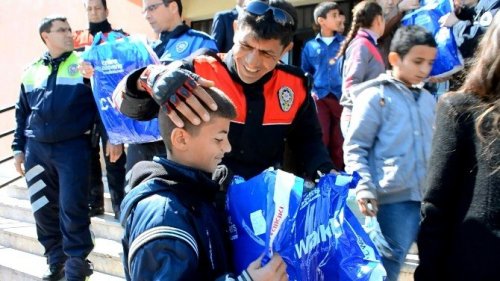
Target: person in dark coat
[
  {"x": 223, "y": 27},
  {"x": 459, "y": 235}
]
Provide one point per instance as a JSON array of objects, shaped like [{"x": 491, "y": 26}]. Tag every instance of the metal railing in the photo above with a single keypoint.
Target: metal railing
[{"x": 8, "y": 158}]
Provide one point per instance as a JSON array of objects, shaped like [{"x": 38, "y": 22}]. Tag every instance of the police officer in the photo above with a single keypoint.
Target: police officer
[
  {"x": 176, "y": 41},
  {"x": 273, "y": 102},
  {"x": 54, "y": 116}
]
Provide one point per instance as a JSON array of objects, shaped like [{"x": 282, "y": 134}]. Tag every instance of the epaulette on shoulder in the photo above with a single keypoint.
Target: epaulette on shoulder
[
  {"x": 194, "y": 32},
  {"x": 291, "y": 69},
  {"x": 33, "y": 63}
]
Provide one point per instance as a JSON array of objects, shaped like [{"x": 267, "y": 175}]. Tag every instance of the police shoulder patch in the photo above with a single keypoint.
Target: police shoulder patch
[
  {"x": 285, "y": 95},
  {"x": 72, "y": 69},
  {"x": 181, "y": 46}
]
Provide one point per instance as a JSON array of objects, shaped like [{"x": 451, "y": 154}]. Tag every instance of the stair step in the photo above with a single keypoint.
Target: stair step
[
  {"x": 106, "y": 254},
  {"x": 103, "y": 226},
  {"x": 19, "y": 190},
  {"x": 22, "y": 266}
]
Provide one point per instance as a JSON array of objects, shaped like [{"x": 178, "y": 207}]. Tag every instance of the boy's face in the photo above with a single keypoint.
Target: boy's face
[
  {"x": 204, "y": 149},
  {"x": 342, "y": 24},
  {"x": 255, "y": 57},
  {"x": 331, "y": 22},
  {"x": 415, "y": 66}
]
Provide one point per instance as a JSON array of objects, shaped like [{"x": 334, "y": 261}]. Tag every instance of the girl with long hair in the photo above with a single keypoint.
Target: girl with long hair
[
  {"x": 362, "y": 60},
  {"x": 459, "y": 237}
]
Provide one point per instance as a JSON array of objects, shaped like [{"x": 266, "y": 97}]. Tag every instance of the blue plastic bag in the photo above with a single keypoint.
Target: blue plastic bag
[
  {"x": 448, "y": 59},
  {"x": 112, "y": 60},
  {"x": 319, "y": 239}
]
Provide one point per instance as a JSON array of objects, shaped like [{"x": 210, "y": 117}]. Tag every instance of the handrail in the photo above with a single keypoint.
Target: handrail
[
  {"x": 2, "y": 135},
  {"x": 7, "y": 108}
]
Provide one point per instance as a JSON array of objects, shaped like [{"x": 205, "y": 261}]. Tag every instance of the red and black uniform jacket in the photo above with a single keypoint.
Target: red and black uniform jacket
[{"x": 272, "y": 112}]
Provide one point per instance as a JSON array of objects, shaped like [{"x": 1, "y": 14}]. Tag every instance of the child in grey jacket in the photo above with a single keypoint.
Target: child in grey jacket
[{"x": 388, "y": 141}]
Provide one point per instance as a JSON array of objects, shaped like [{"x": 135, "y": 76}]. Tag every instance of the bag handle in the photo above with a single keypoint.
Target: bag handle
[
  {"x": 97, "y": 39},
  {"x": 111, "y": 36}
]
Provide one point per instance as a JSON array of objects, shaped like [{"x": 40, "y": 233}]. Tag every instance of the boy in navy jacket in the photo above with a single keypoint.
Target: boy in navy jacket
[{"x": 172, "y": 229}]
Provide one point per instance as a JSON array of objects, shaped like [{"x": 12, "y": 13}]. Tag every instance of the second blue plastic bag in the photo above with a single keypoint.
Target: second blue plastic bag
[
  {"x": 315, "y": 232},
  {"x": 112, "y": 61},
  {"x": 448, "y": 59}
]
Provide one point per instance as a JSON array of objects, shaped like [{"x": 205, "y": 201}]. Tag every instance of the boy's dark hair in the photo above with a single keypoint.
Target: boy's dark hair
[
  {"x": 46, "y": 24},
  {"x": 225, "y": 109},
  {"x": 104, "y": 4},
  {"x": 407, "y": 37},
  {"x": 179, "y": 4},
  {"x": 323, "y": 8},
  {"x": 265, "y": 27}
]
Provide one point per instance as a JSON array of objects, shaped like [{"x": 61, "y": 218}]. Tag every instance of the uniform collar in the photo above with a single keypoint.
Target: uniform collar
[
  {"x": 197, "y": 181},
  {"x": 48, "y": 60},
  {"x": 103, "y": 27},
  {"x": 370, "y": 33}
]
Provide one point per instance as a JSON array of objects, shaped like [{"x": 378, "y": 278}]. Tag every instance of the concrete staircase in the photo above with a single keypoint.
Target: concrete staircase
[{"x": 21, "y": 255}]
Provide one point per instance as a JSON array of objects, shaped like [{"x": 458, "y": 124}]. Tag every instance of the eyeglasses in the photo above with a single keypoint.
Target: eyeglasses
[
  {"x": 260, "y": 8},
  {"x": 153, "y": 7},
  {"x": 61, "y": 30}
]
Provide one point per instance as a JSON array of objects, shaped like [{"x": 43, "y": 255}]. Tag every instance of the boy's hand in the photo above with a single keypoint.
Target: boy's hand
[
  {"x": 274, "y": 270},
  {"x": 368, "y": 207},
  {"x": 19, "y": 163},
  {"x": 175, "y": 88}
]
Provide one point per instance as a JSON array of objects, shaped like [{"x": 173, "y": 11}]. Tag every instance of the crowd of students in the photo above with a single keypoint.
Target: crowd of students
[{"x": 366, "y": 112}]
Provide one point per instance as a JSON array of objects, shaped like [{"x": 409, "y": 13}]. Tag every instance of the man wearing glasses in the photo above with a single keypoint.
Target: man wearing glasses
[
  {"x": 54, "y": 116},
  {"x": 176, "y": 41}
]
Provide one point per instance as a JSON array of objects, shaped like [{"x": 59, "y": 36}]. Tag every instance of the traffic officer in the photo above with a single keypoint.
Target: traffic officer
[{"x": 54, "y": 116}]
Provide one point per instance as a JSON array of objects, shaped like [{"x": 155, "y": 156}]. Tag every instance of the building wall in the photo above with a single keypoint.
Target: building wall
[{"x": 199, "y": 10}]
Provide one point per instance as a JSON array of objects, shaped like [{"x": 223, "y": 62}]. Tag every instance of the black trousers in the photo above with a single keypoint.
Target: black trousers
[{"x": 115, "y": 173}]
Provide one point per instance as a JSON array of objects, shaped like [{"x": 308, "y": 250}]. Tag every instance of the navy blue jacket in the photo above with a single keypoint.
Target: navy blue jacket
[
  {"x": 172, "y": 229},
  {"x": 181, "y": 42},
  {"x": 54, "y": 103},
  {"x": 318, "y": 59},
  {"x": 222, "y": 29}
]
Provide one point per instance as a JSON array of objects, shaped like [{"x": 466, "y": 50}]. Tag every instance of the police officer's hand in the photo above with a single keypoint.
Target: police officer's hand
[
  {"x": 113, "y": 151},
  {"x": 86, "y": 69},
  {"x": 175, "y": 88},
  {"x": 274, "y": 270},
  {"x": 19, "y": 163},
  {"x": 368, "y": 207}
]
